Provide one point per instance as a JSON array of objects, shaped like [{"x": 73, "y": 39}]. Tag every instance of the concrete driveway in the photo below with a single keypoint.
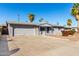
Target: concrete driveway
[{"x": 39, "y": 46}]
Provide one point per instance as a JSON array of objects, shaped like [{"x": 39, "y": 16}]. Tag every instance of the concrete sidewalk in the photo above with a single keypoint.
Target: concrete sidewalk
[{"x": 4, "y": 48}]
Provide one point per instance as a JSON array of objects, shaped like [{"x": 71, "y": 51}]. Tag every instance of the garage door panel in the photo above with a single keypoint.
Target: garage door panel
[{"x": 24, "y": 31}]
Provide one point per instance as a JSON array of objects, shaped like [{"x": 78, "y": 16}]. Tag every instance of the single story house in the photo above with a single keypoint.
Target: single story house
[{"x": 19, "y": 28}]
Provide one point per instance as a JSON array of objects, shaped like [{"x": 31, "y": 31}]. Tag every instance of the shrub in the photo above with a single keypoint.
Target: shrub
[{"x": 68, "y": 32}]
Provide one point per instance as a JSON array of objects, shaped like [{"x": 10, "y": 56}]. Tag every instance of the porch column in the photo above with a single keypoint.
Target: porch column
[
  {"x": 51, "y": 30},
  {"x": 45, "y": 30},
  {"x": 40, "y": 32}
]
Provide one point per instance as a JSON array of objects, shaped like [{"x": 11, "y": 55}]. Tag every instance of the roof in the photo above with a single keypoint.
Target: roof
[
  {"x": 58, "y": 26},
  {"x": 45, "y": 25},
  {"x": 41, "y": 24},
  {"x": 22, "y": 23},
  {"x": 70, "y": 27}
]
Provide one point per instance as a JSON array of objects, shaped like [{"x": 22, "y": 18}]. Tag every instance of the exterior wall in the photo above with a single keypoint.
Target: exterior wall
[
  {"x": 36, "y": 30},
  {"x": 57, "y": 31},
  {"x": 10, "y": 30}
]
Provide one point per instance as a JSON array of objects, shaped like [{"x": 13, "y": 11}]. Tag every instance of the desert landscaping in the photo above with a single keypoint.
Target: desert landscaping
[{"x": 39, "y": 46}]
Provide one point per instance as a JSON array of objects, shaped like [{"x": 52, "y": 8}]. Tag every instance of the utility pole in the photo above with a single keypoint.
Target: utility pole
[{"x": 18, "y": 18}]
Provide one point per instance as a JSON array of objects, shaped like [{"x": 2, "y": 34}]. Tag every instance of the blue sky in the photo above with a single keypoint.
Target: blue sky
[{"x": 51, "y": 12}]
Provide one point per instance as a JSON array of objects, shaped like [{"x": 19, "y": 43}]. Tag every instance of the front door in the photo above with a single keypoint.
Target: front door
[
  {"x": 48, "y": 29},
  {"x": 42, "y": 30}
]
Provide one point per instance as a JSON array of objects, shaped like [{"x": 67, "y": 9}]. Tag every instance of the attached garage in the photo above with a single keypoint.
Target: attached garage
[
  {"x": 17, "y": 29},
  {"x": 24, "y": 31}
]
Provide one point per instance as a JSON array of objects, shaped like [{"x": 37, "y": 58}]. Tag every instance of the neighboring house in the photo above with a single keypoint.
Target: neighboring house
[
  {"x": 3, "y": 30},
  {"x": 75, "y": 28}
]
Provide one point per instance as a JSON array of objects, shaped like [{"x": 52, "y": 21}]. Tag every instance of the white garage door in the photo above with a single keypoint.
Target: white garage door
[{"x": 24, "y": 31}]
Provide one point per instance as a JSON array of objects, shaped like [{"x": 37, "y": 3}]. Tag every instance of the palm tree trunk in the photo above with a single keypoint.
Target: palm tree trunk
[
  {"x": 77, "y": 18},
  {"x": 78, "y": 25}
]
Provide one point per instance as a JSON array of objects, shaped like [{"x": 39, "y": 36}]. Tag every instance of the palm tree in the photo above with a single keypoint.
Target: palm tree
[
  {"x": 41, "y": 20},
  {"x": 31, "y": 17},
  {"x": 69, "y": 22},
  {"x": 75, "y": 13}
]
